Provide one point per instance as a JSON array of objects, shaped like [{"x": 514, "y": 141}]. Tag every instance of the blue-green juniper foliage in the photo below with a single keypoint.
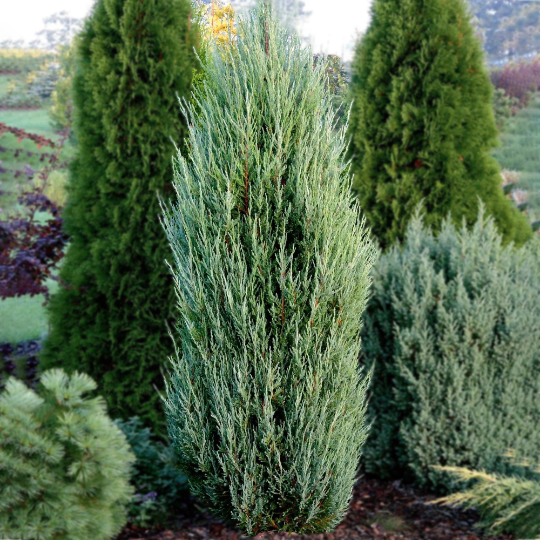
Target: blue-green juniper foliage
[
  {"x": 452, "y": 331},
  {"x": 266, "y": 404}
]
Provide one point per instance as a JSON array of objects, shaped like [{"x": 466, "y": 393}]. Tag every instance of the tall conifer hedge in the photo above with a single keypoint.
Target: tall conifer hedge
[
  {"x": 266, "y": 403},
  {"x": 422, "y": 123},
  {"x": 110, "y": 321}
]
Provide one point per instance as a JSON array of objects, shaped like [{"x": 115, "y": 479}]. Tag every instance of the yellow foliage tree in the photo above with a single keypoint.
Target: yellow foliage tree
[
  {"x": 216, "y": 22},
  {"x": 222, "y": 22}
]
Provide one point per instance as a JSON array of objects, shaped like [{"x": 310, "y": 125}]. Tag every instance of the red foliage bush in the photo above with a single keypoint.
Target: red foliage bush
[
  {"x": 518, "y": 80},
  {"x": 21, "y": 134},
  {"x": 30, "y": 248}
]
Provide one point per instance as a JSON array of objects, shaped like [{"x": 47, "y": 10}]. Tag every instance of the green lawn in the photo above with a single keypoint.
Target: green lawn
[
  {"x": 520, "y": 151},
  {"x": 23, "y": 318},
  {"x": 35, "y": 121}
]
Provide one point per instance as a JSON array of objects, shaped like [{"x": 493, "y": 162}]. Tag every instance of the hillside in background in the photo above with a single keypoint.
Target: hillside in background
[{"x": 520, "y": 152}]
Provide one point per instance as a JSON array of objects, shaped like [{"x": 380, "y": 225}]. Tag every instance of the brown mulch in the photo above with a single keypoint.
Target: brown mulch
[{"x": 379, "y": 511}]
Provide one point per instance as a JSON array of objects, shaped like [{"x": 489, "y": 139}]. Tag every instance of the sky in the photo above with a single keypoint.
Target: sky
[{"x": 332, "y": 26}]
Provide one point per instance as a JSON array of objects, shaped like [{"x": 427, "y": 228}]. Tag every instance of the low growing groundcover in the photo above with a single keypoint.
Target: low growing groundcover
[{"x": 380, "y": 510}]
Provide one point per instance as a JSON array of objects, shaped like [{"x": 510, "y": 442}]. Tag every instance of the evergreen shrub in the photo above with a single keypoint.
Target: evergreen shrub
[
  {"x": 64, "y": 465},
  {"x": 422, "y": 125},
  {"x": 18, "y": 97},
  {"x": 133, "y": 58},
  {"x": 337, "y": 84},
  {"x": 61, "y": 97},
  {"x": 266, "y": 402},
  {"x": 160, "y": 487},
  {"x": 42, "y": 83},
  {"x": 452, "y": 332},
  {"x": 506, "y": 504}
]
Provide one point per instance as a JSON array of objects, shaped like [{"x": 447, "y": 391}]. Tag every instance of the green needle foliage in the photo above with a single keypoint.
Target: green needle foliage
[
  {"x": 422, "y": 123},
  {"x": 110, "y": 321},
  {"x": 160, "y": 487},
  {"x": 452, "y": 332},
  {"x": 266, "y": 403},
  {"x": 64, "y": 465},
  {"x": 506, "y": 504}
]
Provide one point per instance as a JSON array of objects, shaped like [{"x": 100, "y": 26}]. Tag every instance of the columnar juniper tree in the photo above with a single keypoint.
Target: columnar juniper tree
[
  {"x": 422, "y": 123},
  {"x": 110, "y": 322},
  {"x": 266, "y": 402}
]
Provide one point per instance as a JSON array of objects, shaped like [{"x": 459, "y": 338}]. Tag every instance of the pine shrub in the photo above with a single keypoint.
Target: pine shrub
[
  {"x": 506, "y": 504},
  {"x": 452, "y": 332},
  {"x": 422, "y": 123},
  {"x": 266, "y": 402},
  {"x": 134, "y": 57},
  {"x": 64, "y": 466}
]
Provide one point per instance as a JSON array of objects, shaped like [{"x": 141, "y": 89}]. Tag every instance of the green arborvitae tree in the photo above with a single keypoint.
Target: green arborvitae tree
[
  {"x": 422, "y": 123},
  {"x": 266, "y": 402},
  {"x": 134, "y": 58},
  {"x": 64, "y": 465}
]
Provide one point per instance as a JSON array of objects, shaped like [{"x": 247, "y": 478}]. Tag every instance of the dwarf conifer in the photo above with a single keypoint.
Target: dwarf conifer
[
  {"x": 271, "y": 260},
  {"x": 422, "y": 123},
  {"x": 110, "y": 319},
  {"x": 451, "y": 332},
  {"x": 506, "y": 504},
  {"x": 64, "y": 465}
]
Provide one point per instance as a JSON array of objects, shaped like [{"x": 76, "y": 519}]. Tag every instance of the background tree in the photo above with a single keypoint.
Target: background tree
[
  {"x": 134, "y": 57},
  {"x": 488, "y": 16},
  {"x": 271, "y": 262},
  {"x": 59, "y": 29},
  {"x": 522, "y": 31},
  {"x": 422, "y": 123},
  {"x": 216, "y": 21},
  {"x": 336, "y": 85},
  {"x": 509, "y": 28},
  {"x": 61, "y": 97}
]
